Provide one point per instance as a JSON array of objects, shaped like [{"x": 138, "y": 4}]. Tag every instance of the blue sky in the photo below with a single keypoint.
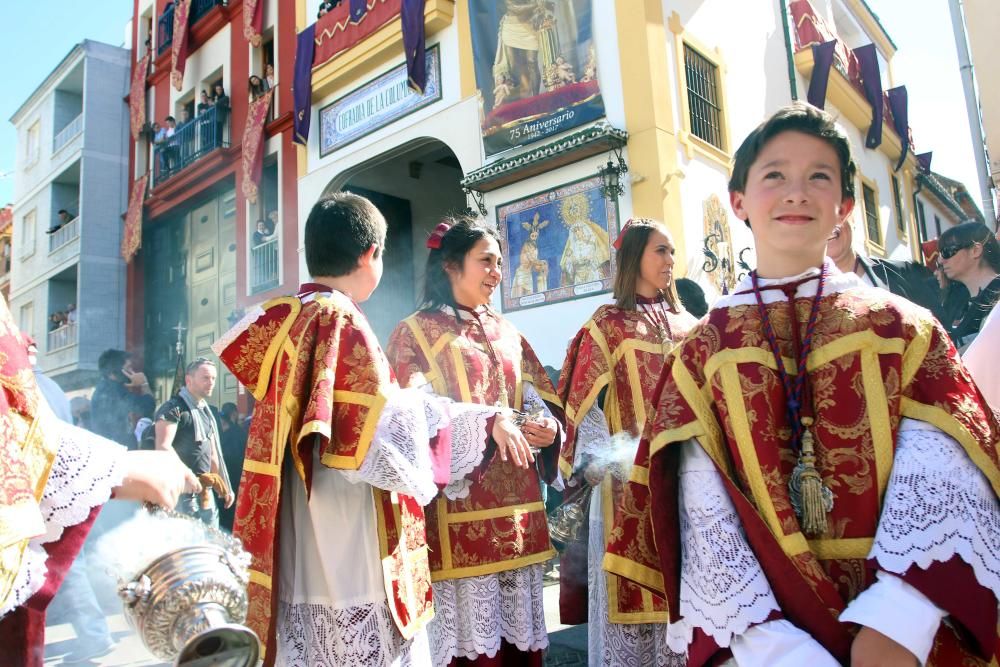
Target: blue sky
[{"x": 39, "y": 33}]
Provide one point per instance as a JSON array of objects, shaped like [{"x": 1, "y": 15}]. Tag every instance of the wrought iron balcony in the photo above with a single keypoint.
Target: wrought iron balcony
[
  {"x": 190, "y": 142},
  {"x": 264, "y": 266},
  {"x": 165, "y": 24}
]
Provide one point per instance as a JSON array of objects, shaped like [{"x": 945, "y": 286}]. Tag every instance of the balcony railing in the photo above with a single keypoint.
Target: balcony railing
[
  {"x": 165, "y": 30},
  {"x": 165, "y": 24},
  {"x": 190, "y": 142},
  {"x": 264, "y": 266},
  {"x": 68, "y": 232},
  {"x": 62, "y": 337},
  {"x": 68, "y": 133}
]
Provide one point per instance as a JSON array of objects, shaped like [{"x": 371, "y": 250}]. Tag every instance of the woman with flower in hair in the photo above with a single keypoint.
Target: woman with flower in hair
[
  {"x": 607, "y": 384},
  {"x": 487, "y": 533}
]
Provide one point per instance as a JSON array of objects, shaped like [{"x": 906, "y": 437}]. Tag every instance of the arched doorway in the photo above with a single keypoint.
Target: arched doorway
[{"x": 414, "y": 186}]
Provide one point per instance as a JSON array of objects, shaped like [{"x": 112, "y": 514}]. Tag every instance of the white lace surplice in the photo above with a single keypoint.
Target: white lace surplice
[
  {"x": 937, "y": 505},
  {"x": 86, "y": 469},
  {"x": 333, "y": 608},
  {"x": 612, "y": 644},
  {"x": 473, "y": 614}
]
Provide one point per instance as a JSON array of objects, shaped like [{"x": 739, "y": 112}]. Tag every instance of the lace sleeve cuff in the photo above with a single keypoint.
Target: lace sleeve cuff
[
  {"x": 86, "y": 470},
  {"x": 593, "y": 438},
  {"x": 469, "y": 437},
  {"x": 937, "y": 505},
  {"x": 723, "y": 590},
  {"x": 399, "y": 457}
]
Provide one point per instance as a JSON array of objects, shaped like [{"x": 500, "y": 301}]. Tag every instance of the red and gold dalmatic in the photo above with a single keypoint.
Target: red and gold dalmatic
[
  {"x": 501, "y": 524},
  {"x": 875, "y": 360},
  {"x": 622, "y": 352},
  {"x": 321, "y": 381}
]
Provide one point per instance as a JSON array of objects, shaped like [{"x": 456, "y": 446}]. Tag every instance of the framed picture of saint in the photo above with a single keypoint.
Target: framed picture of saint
[
  {"x": 536, "y": 69},
  {"x": 557, "y": 245}
]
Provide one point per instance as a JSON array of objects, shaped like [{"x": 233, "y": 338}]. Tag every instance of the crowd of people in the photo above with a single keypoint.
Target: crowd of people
[
  {"x": 807, "y": 474},
  {"x": 174, "y": 147},
  {"x": 62, "y": 318}
]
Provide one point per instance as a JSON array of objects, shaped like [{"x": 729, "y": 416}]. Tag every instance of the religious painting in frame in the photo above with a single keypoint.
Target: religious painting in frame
[
  {"x": 557, "y": 245},
  {"x": 536, "y": 69}
]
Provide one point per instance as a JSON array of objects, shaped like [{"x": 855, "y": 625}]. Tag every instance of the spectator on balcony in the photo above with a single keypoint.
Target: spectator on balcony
[
  {"x": 272, "y": 221},
  {"x": 255, "y": 87},
  {"x": 326, "y": 6},
  {"x": 63, "y": 219},
  {"x": 204, "y": 120},
  {"x": 71, "y": 313},
  {"x": 263, "y": 234},
  {"x": 160, "y": 146},
  {"x": 269, "y": 76},
  {"x": 172, "y": 147},
  {"x": 120, "y": 391},
  {"x": 221, "y": 103}
]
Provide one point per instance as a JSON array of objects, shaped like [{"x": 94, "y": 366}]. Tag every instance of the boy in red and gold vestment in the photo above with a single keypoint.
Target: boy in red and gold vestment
[
  {"x": 607, "y": 385},
  {"x": 488, "y": 534},
  {"x": 819, "y": 481},
  {"x": 340, "y": 460}
]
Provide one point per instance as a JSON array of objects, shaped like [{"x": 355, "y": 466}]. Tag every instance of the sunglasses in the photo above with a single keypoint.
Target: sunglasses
[{"x": 950, "y": 251}]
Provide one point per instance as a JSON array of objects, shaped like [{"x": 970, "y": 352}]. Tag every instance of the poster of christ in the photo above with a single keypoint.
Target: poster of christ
[{"x": 536, "y": 69}]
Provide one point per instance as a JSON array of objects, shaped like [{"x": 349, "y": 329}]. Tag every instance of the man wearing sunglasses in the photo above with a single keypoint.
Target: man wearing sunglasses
[{"x": 907, "y": 279}]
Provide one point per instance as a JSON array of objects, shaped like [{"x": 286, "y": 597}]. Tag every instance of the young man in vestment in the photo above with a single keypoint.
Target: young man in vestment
[
  {"x": 607, "y": 385},
  {"x": 488, "y": 535},
  {"x": 340, "y": 460},
  {"x": 819, "y": 481}
]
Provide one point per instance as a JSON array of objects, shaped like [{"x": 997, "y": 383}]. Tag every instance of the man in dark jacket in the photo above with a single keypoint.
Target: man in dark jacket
[
  {"x": 120, "y": 390},
  {"x": 909, "y": 280}
]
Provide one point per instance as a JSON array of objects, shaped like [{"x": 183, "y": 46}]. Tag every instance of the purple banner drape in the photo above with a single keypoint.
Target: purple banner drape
[
  {"x": 302, "y": 84},
  {"x": 872, "y": 82},
  {"x": 924, "y": 161},
  {"x": 358, "y": 9},
  {"x": 822, "y": 61},
  {"x": 900, "y": 119},
  {"x": 414, "y": 43}
]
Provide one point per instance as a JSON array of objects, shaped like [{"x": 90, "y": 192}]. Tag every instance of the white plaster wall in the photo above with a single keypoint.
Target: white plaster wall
[
  {"x": 205, "y": 62},
  {"x": 749, "y": 37}
]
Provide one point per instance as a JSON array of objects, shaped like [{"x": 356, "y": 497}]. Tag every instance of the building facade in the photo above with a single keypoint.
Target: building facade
[
  {"x": 201, "y": 261},
  {"x": 67, "y": 283},
  {"x": 680, "y": 81}
]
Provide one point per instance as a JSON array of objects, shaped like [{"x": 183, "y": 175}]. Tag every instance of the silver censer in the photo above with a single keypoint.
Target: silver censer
[{"x": 188, "y": 605}]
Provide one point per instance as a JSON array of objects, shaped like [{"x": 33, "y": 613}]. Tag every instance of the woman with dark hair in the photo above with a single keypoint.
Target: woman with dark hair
[
  {"x": 607, "y": 384},
  {"x": 487, "y": 533},
  {"x": 970, "y": 254},
  {"x": 255, "y": 87}
]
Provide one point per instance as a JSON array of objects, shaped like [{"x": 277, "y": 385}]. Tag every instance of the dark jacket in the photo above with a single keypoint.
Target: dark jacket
[
  {"x": 907, "y": 279},
  {"x": 110, "y": 406}
]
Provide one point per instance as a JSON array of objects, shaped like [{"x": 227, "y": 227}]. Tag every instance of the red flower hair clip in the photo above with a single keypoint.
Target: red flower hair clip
[
  {"x": 617, "y": 245},
  {"x": 434, "y": 240}
]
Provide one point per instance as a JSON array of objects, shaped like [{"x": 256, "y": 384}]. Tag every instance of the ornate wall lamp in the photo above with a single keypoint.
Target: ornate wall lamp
[{"x": 611, "y": 172}]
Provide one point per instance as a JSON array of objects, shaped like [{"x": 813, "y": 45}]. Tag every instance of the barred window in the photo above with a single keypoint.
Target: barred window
[
  {"x": 897, "y": 200},
  {"x": 871, "y": 214},
  {"x": 704, "y": 102},
  {"x": 922, "y": 219}
]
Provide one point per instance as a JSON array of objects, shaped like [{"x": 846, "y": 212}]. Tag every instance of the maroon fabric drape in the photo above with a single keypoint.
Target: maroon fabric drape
[
  {"x": 137, "y": 97},
  {"x": 132, "y": 236},
  {"x": 253, "y": 21},
  {"x": 179, "y": 45},
  {"x": 253, "y": 145}
]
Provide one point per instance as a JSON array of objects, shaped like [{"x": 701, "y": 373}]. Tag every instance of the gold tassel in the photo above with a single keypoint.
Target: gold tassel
[{"x": 814, "y": 504}]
